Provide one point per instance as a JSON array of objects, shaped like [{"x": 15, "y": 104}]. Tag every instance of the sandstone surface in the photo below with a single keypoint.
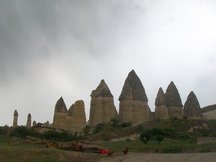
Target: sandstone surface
[
  {"x": 173, "y": 101},
  {"x": 192, "y": 107},
  {"x": 161, "y": 111},
  {"x": 28, "y": 124},
  {"x": 133, "y": 101},
  {"x": 15, "y": 118},
  {"x": 102, "y": 108},
  {"x": 60, "y": 115},
  {"x": 76, "y": 118}
]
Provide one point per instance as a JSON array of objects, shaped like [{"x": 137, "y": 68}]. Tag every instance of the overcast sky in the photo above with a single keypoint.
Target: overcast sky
[{"x": 54, "y": 48}]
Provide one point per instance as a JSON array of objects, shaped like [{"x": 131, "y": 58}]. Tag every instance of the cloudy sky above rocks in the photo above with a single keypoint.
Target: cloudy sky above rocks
[{"x": 54, "y": 48}]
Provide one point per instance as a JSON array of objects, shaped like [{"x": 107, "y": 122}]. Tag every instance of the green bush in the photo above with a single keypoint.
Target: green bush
[
  {"x": 59, "y": 136},
  {"x": 22, "y": 132}
]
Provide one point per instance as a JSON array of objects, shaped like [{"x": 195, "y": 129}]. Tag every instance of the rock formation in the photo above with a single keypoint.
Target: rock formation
[
  {"x": 161, "y": 111},
  {"x": 192, "y": 107},
  {"x": 133, "y": 101},
  {"x": 34, "y": 123},
  {"x": 60, "y": 115},
  {"x": 28, "y": 124},
  {"x": 209, "y": 112},
  {"x": 102, "y": 108},
  {"x": 173, "y": 101},
  {"x": 76, "y": 118},
  {"x": 15, "y": 119}
]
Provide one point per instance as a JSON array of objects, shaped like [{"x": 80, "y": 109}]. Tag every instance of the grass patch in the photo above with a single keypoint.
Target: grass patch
[{"x": 166, "y": 146}]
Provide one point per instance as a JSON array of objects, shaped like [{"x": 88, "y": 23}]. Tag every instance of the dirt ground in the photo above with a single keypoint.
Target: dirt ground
[{"x": 153, "y": 157}]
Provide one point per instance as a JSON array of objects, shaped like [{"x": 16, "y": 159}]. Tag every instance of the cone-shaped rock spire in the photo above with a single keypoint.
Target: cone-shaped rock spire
[
  {"x": 160, "y": 97},
  {"x": 60, "y": 105},
  {"x": 172, "y": 97},
  {"x": 133, "y": 89},
  {"x": 161, "y": 111},
  {"x": 102, "y": 108},
  {"x": 102, "y": 90},
  {"x": 173, "y": 101},
  {"x": 60, "y": 115},
  {"x": 133, "y": 101},
  {"x": 192, "y": 106}
]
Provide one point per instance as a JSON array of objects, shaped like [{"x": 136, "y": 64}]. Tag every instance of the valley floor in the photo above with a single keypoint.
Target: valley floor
[{"x": 159, "y": 157}]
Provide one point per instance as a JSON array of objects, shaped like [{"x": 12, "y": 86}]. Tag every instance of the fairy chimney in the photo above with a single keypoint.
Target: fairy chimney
[
  {"x": 60, "y": 114},
  {"x": 173, "y": 101},
  {"x": 161, "y": 111},
  {"x": 15, "y": 119},
  {"x": 133, "y": 101},
  {"x": 102, "y": 108},
  {"x": 28, "y": 124},
  {"x": 192, "y": 107},
  {"x": 76, "y": 118}
]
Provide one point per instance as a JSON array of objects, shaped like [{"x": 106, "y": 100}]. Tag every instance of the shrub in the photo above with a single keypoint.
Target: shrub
[{"x": 22, "y": 132}]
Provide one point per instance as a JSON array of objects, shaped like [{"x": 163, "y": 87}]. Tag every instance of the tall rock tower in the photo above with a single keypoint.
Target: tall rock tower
[
  {"x": 60, "y": 115},
  {"x": 15, "y": 119},
  {"x": 102, "y": 108},
  {"x": 76, "y": 118},
  {"x": 133, "y": 101},
  {"x": 173, "y": 101},
  {"x": 28, "y": 124},
  {"x": 192, "y": 107},
  {"x": 161, "y": 111}
]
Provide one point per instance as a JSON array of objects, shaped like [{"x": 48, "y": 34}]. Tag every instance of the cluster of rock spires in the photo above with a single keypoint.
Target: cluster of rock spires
[{"x": 133, "y": 107}]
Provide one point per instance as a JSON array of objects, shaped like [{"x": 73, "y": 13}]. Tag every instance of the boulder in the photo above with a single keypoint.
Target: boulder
[
  {"x": 133, "y": 101},
  {"x": 102, "y": 108},
  {"x": 161, "y": 111},
  {"x": 173, "y": 101},
  {"x": 192, "y": 107},
  {"x": 76, "y": 118}
]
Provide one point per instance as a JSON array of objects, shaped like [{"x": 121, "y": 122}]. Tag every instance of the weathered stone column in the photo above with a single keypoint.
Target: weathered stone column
[
  {"x": 133, "y": 101},
  {"x": 28, "y": 124},
  {"x": 192, "y": 107},
  {"x": 161, "y": 111},
  {"x": 102, "y": 108},
  {"x": 60, "y": 115},
  {"x": 173, "y": 101},
  {"x": 15, "y": 119},
  {"x": 76, "y": 118}
]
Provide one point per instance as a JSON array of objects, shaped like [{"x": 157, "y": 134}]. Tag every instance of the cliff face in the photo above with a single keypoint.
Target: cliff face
[
  {"x": 161, "y": 111},
  {"x": 133, "y": 101},
  {"x": 173, "y": 101},
  {"x": 102, "y": 108},
  {"x": 192, "y": 107}
]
